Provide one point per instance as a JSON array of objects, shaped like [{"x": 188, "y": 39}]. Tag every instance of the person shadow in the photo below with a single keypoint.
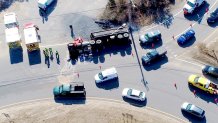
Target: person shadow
[{"x": 71, "y": 31}]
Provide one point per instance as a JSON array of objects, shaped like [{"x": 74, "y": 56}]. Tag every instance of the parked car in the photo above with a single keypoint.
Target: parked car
[
  {"x": 106, "y": 75},
  {"x": 184, "y": 38},
  {"x": 213, "y": 17},
  {"x": 150, "y": 37},
  {"x": 133, "y": 94},
  {"x": 192, "y": 109},
  {"x": 210, "y": 70}
]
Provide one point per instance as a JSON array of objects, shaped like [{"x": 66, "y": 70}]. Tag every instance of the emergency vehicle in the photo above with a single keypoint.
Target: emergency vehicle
[
  {"x": 31, "y": 37},
  {"x": 10, "y": 20},
  {"x": 13, "y": 38}
]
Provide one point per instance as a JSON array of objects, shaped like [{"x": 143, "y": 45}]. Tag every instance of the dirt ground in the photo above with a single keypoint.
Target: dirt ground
[
  {"x": 91, "y": 111},
  {"x": 206, "y": 53}
]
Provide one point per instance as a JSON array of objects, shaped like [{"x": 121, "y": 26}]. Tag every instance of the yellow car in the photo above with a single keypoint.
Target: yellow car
[{"x": 203, "y": 84}]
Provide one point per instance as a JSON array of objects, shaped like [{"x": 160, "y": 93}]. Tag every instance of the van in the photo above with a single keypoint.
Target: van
[{"x": 106, "y": 75}]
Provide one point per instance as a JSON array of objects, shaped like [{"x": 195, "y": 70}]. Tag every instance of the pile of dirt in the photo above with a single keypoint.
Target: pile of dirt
[
  {"x": 91, "y": 111},
  {"x": 207, "y": 53},
  {"x": 143, "y": 12}
]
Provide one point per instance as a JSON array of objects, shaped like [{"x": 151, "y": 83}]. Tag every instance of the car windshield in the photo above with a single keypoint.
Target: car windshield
[
  {"x": 60, "y": 89},
  {"x": 100, "y": 76},
  {"x": 129, "y": 92},
  {"x": 196, "y": 79},
  {"x": 189, "y": 106},
  {"x": 141, "y": 94},
  {"x": 146, "y": 36},
  {"x": 190, "y": 4}
]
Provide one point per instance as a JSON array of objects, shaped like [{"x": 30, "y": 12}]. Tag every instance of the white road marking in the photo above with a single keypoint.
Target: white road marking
[
  {"x": 54, "y": 45},
  {"x": 189, "y": 62}
]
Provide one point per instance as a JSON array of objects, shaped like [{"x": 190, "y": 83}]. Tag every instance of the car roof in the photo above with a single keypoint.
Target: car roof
[
  {"x": 135, "y": 92},
  {"x": 109, "y": 71},
  {"x": 197, "y": 109}
]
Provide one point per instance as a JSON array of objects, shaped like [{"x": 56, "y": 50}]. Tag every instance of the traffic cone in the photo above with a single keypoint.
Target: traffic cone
[
  {"x": 191, "y": 25},
  {"x": 207, "y": 9},
  {"x": 152, "y": 45},
  {"x": 100, "y": 67},
  {"x": 216, "y": 100},
  {"x": 173, "y": 37},
  {"x": 132, "y": 54},
  {"x": 194, "y": 92}
]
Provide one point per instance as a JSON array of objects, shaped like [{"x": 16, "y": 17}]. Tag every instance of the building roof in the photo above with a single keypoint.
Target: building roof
[{"x": 12, "y": 35}]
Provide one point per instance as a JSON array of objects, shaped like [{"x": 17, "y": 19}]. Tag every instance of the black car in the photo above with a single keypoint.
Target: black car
[
  {"x": 213, "y": 17},
  {"x": 210, "y": 70}
]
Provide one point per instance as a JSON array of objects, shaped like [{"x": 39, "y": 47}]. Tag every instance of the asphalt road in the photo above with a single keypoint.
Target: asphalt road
[{"x": 22, "y": 81}]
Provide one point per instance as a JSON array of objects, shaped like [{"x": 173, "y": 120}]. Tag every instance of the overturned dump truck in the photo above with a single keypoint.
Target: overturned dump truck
[{"x": 100, "y": 40}]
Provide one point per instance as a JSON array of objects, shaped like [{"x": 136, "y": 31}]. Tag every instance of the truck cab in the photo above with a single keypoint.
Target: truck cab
[
  {"x": 10, "y": 20},
  {"x": 191, "y": 5},
  {"x": 43, "y": 4},
  {"x": 74, "y": 89}
]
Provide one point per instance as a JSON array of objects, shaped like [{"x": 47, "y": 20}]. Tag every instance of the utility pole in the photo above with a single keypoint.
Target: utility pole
[{"x": 131, "y": 5}]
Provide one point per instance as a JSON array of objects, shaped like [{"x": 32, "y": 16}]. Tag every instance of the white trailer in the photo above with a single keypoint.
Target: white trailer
[{"x": 13, "y": 38}]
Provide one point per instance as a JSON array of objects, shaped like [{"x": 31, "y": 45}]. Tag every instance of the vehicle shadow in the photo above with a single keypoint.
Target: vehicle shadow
[
  {"x": 16, "y": 55},
  {"x": 155, "y": 45},
  {"x": 70, "y": 101},
  {"x": 135, "y": 103},
  {"x": 214, "y": 25},
  {"x": 112, "y": 84},
  {"x": 193, "y": 119},
  {"x": 48, "y": 11},
  {"x": 34, "y": 57},
  {"x": 156, "y": 65},
  {"x": 198, "y": 14},
  {"x": 99, "y": 56},
  {"x": 203, "y": 95},
  {"x": 189, "y": 43},
  {"x": 211, "y": 78}
]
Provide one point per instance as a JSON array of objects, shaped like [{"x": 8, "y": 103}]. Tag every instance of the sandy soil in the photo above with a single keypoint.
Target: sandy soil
[{"x": 91, "y": 111}]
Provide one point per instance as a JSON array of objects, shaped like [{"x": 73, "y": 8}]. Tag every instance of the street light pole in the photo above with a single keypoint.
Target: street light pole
[{"x": 130, "y": 5}]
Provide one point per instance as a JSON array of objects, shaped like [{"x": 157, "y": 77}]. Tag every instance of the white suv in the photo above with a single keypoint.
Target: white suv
[{"x": 106, "y": 75}]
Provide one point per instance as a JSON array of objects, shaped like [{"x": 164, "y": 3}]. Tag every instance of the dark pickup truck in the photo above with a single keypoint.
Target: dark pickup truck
[
  {"x": 74, "y": 89},
  {"x": 153, "y": 55}
]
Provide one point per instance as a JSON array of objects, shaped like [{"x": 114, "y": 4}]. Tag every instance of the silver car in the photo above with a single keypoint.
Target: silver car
[
  {"x": 192, "y": 109},
  {"x": 133, "y": 94}
]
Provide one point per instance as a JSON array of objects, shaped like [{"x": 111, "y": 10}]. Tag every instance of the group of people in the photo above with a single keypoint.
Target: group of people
[{"x": 48, "y": 53}]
